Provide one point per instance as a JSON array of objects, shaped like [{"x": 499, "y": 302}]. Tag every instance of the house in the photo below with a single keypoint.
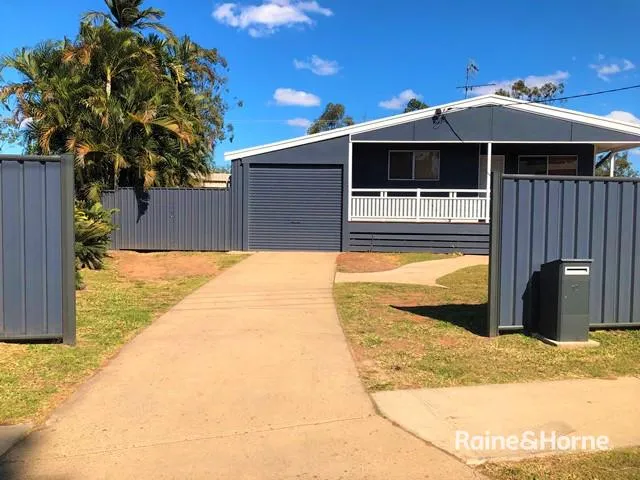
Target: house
[
  {"x": 216, "y": 180},
  {"x": 415, "y": 181}
]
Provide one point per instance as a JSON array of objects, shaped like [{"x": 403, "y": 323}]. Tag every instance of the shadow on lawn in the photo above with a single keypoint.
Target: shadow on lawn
[{"x": 472, "y": 317}]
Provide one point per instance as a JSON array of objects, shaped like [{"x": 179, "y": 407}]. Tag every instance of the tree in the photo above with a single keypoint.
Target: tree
[
  {"x": 126, "y": 14},
  {"x": 415, "y": 104},
  {"x": 9, "y": 133},
  {"x": 136, "y": 110},
  {"x": 332, "y": 117},
  {"x": 623, "y": 168},
  {"x": 549, "y": 92}
]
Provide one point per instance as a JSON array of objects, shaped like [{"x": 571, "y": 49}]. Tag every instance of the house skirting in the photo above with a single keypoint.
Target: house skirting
[{"x": 468, "y": 238}]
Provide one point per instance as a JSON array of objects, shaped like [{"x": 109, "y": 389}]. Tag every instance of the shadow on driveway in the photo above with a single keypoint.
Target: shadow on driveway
[{"x": 14, "y": 469}]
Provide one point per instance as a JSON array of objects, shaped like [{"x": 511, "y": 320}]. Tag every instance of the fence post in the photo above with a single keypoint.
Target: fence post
[
  {"x": 495, "y": 245},
  {"x": 68, "y": 251}
]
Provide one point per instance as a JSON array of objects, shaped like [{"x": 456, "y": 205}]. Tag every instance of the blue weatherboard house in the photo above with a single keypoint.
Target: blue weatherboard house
[{"x": 415, "y": 181}]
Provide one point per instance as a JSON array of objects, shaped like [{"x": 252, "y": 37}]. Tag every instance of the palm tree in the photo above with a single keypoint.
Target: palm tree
[
  {"x": 136, "y": 110},
  {"x": 127, "y": 15}
]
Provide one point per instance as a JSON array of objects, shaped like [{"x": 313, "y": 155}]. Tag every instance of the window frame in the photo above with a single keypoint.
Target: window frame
[
  {"x": 547, "y": 156},
  {"x": 413, "y": 166}
]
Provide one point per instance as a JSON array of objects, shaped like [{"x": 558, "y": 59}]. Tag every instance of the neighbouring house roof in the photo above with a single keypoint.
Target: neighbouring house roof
[
  {"x": 216, "y": 180},
  {"x": 217, "y": 177},
  {"x": 629, "y": 133}
]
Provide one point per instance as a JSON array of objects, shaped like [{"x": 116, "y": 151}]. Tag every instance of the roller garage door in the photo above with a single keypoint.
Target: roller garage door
[{"x": 295, "y": 207}]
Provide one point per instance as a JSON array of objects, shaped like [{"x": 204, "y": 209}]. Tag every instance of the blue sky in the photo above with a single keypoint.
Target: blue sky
[{"x": 288, "y": 58}]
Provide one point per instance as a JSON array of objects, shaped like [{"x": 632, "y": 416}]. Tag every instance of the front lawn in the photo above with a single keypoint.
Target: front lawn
[
  {"x": 621, "y": 464},
  {"x": 410, "y": 336},
  {"x": 355, "y": 262},
  {"x": 118, "y": 302}
]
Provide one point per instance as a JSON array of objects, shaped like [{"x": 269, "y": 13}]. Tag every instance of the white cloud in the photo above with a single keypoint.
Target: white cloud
[
  {"x": 623, "y": 116},
  {"x": 318, "y": 65},
  {"x": 530, "y": 81},
  {"x": 268, "y": 17},
  {"x": 399, "y": 101},
  {"x": 299, "y": 122},
  {"x": 607, "y": 69},
  {"x": 289, "y": 96}
]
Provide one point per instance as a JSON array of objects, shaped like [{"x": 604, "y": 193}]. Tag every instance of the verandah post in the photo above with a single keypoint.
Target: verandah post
[
  {"x": 612, "y": 166},
  {"x": 486, "y": 206}
]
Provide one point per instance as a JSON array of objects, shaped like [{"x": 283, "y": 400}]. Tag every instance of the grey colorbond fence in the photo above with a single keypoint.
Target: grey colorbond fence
[
  {"x": 171, "y": 219},
  {"x": 539, "y": 219},
  {"x": 37, "y": 277}
]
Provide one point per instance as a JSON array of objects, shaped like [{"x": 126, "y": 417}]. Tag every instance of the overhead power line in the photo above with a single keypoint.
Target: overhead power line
[{"x": 514, "y": 102}]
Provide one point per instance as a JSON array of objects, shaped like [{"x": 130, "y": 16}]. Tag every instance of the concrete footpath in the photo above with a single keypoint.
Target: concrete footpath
[
  {"x": 250, "y": 377},
  {"x": 418, "y": 273},
  {"x": 566, "y": 408}
]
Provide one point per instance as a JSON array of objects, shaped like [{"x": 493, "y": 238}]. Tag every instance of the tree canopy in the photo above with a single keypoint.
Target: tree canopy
[
  {"x": 333, "y": 117},
  {"x": 136, "y": 109},
  {"x": 548, "y": 92},
  {"x": 623, "y": 167},
  {"x": 127, "y": 14},
  {"x": 415, "y": 104}
]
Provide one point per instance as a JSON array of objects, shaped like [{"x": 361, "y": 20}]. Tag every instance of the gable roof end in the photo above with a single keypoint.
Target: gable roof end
[{"x": 485, "y": 100}]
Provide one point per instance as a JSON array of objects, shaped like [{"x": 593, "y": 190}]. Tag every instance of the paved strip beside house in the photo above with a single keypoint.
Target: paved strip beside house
[
  {"x": 567, "y": 408},
  {"x": 418, "y": 273},
  {"x": 249, "y": 377}
]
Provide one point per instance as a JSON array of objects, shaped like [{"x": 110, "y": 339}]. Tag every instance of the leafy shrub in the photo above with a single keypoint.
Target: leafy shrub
[{"x": 93, "y": 228}]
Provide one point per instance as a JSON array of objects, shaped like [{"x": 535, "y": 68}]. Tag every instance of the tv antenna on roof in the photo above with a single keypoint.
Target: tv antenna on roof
[{"x": 471, "y": 70}]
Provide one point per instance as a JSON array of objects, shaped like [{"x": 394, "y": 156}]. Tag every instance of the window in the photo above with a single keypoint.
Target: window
[
  {"x": 548, "y": 164},
  {"x": 532, "y": 165},
  {"x": 563, "y": 165},
  {"x": 400, "y": 165},
  {"x": 418, "y": 165}
]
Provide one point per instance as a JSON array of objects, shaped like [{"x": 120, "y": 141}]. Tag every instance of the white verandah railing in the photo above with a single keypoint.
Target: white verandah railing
[{"x": 419, "y": 205}]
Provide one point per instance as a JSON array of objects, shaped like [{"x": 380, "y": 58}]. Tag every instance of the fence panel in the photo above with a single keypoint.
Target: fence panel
[
  {"x": 539, "y": 219},
  {"x": 37, "y": 278},
  {"x": 187, "y": 219}
]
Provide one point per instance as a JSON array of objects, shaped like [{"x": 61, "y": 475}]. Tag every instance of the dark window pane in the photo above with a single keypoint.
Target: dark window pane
[
  {"x": 427, "y": 165},
  {"x": 563, "y": 165},
  {"x": 400, "y": 165},
  {"x": 532, "y": 165}
]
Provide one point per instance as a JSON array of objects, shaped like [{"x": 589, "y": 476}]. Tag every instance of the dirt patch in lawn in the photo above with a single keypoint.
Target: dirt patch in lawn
[
  {"x": 162, "y": 266},
  {"x": 357, "y": 262}
]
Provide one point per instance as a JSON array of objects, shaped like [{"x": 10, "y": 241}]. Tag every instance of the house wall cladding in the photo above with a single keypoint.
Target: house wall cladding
[
  {"x": 197, "y": 219},
  {"x": 37, "y": 277},
  {"x": 468, "y": 238},
  {"x": 540, "y": 219},
  {"x": 458, "y": 165}
]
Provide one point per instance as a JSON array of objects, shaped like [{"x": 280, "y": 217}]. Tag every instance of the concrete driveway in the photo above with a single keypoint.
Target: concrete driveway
[{"x": 248, "y": 378}]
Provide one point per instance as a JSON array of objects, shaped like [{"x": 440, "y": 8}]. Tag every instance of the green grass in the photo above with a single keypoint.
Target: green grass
[
  {"x": 112, "y": 309},
  {"x": 409, "y": 336},
  {"x": 413, "y": 257},
  {"x": 620, "y": 464}
]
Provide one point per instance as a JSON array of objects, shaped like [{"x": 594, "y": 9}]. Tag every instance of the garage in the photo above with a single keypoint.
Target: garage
[{"x": 295, "y": 207}]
